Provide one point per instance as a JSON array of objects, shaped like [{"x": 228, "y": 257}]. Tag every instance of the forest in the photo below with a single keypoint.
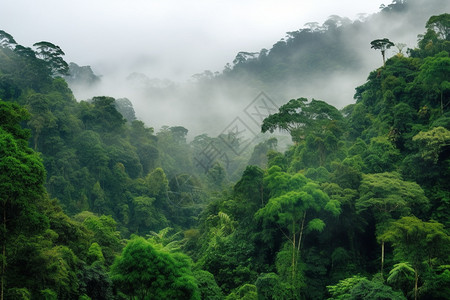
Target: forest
[{"x": 96, "y": 204}]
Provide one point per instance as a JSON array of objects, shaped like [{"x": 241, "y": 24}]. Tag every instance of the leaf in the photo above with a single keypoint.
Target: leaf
[
  {"x": 316, "y": 224},
  {"x": 401, "y": 270}
]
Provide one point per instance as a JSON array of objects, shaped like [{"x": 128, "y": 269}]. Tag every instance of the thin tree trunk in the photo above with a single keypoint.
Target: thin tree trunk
[
  {"x": 293, "y": 251},
  {"x": 299, "y": 243},
  {"x": 301, "y": 231},
  {"x": 415, "y": 284},
  {"x": 382, "y": 258},
  {"x": 262, "y": 195},
  {"x": 293, "y": 258},
  {"x": 3, "y": 251}
]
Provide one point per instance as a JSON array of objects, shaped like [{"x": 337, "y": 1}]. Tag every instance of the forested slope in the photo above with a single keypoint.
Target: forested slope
[{"x": 96, "y": 205}]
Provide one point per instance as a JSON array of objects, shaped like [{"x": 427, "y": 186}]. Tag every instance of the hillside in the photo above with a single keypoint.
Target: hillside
[
  {"x": 314, "y": 60},
  {"x": 98, "y": 205}
]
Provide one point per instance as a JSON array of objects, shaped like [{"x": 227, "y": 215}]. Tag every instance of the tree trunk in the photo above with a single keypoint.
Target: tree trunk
[
  {"x": 293, "y": 251},
  {"x": 415, "y": 284},
  {"x": 262, "y": 195},
  {"x": 301, "y": 231},
  {"x": 36, "y": 137},
  {"x": 3, "y": 251},
  {"x": 382, "y": 258}
]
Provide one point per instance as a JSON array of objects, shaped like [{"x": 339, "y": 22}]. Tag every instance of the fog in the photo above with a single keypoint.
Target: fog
[
  {"x": 165, "y": 39},
  {"x": 164, "y": 43}
]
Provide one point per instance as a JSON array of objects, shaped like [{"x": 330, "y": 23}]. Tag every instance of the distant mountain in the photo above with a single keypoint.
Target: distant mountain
[
  {"x": 81, "y": 76},
  {"x": 322, "y": 61}
]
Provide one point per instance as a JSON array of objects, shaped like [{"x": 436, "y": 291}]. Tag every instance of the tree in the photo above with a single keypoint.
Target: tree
[
  {"x": 358, "y": 287},
  {"x": 269, "y": 286},
  {"x": 251, "y": 188},
  {"x": 6, "y": 40},
  {"x": 22, "y": 176},
  {"x": 383, "y": 45},
  {"x": 441, "y": 25},
  {"x": 294, "y": 202},
  {"x": 402, "y": 276},
  {"x": 96, "y": 282},
  {"x": 146, "y": 216},
  {"x": 41, "y": 117},
  {"x": 433, "y": 142},
  {"x": 104, "y": 233},
  {"x": 179, "y": 134},
  {"x": 243, "y": 56},
  {"x": 389, "y": 197},
  {"x": 300, "y": 118},
  {"x": 145, "y": 272},
  {"x": 419, "y": 243},
  {"x": 52, "y": 55},
  {"x": 436, "y": 37},
  {"x": 435, "y": 71},
  {"x": 207, "y": 285},
  {"x": 125, "y": 107},
  {"x": 106, "y": 118}
]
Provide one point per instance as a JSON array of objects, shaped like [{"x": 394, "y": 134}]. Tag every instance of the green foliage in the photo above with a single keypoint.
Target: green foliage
[
  {"x": 145, "y": 272},
  {"x": 207, "y": 285},
  {"x": 104, "y": 233},
  {"x": 294, "y": 202},
  {"x": 269, "y": 286},
  {"x": 52, "y": 55},
  {"x": 6, "y": 40},
  {"x": 283, "y": 228},
  {"x": 245, "y": 292},
  {"x": 402, "y": 277},
  {"x": 96, "y": 283},
  {"x": 436, "y": 286},
  {"x": 95, "y": 254},
  {"x": 419, "y": 242},
  {"x": 435, "y": 38},
  {"x": 48, "y": 294},
  {"x": 374, "y": 289},
  {"x": 382, "y": 45},
  {"x": 425, "y": 245},
  {"x": 389, "y": 196},
  {"x": 20, "y": 294},
  {"x": 343, "y": 288},
  {"x": 435, "y": 73},
  {"x": 433, "y": 142},
  {"x": 357, "y": 287},
  {"x": 291, "y": 197},
  {"x": 300, "y": 118},
  {"x": 22, "y": 176},
  {"x": 381, "y": 155}
]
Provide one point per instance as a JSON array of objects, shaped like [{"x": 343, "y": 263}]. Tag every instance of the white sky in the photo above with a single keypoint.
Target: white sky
[{"x": 171, "y": 38}]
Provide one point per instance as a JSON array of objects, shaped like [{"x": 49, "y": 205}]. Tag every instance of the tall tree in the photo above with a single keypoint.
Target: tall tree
[
  {"x": 6, "y": 40},
  {"x": 382, "y": 45},
  {"x": 22, "y": 177},
  {"x": 440, "y": 24},
  {"x": 433, "y": 142},
  {"x": 300, "y": 118},
  {"x": 389, "y": 197},
  {"x": 294, "y": 203},
  {"x": 419, "y": 243},
  {"x": 435, "y": 72},
  {"x": 52, "y": 55}
]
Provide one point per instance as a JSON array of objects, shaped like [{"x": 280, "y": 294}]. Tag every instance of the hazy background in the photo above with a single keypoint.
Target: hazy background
[
  {"x": 165, "y": 42},
  {"x": 167, "y": 39}
]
